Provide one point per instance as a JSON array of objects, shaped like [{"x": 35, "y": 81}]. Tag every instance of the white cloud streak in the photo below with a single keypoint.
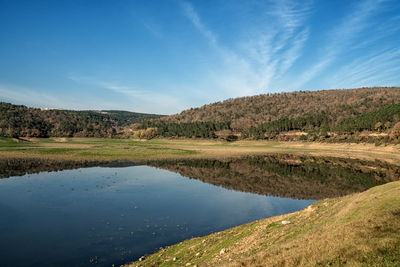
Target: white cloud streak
[
  {"x": 342, "y": 38},
  {"x": 268, "y": 56},
  {"x": 153, "y": 27},
  {"x": 278, "y": 44},
  {"x": 30, "y": 96},
  {"x": 293, "y": 53},
  {"x": 371, "y": 70},
  {"x": 191, "y": 14},
  {"x": 140, "y": 100}
]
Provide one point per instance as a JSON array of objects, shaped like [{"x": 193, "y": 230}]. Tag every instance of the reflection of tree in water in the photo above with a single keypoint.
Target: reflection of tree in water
[
  {"x": 282, "y": 175},
  {"x": 15, "y": 166},
  {"x": 287, "y": 175}
]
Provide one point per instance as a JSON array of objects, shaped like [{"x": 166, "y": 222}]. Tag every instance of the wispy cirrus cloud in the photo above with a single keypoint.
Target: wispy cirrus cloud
[
  {"x": 140, "y": 100},
  {"x": 153, "y": 27},
  {"x": 272, "y": 51},
  {"x": 290, "y": 56},
  {"x": 374, "y": 69},
  {"x": 264, "y": 60},
  {"x": 342, "y": 39},
  {"x": 290, "y": 14},
  {"x": 33, "y": 96},
  {"x": 192, "y": 15},
  {"x": 164, "y": 57}
]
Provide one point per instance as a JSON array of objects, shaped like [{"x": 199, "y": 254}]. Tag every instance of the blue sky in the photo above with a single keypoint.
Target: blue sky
[{"x": 168, "y": 55}]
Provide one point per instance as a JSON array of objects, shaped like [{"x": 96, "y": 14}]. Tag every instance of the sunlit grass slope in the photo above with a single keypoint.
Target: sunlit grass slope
[{"x": 362, "y": 229}]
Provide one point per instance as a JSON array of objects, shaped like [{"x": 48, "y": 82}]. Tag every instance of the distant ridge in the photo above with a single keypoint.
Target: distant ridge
[{"x": 19, "y": 120}]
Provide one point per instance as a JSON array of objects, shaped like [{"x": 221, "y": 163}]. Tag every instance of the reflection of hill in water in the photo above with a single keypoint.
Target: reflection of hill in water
[
  {"x": 287, "y": 175},
  {"x": 291, "y": 176},
  {"x": 15, "y": 167}
]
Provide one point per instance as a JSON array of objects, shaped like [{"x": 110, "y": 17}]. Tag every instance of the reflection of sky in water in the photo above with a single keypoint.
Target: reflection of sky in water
[{"x": 115, "y": 215}]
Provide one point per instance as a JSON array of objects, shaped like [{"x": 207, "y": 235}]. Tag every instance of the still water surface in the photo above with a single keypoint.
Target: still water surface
[{"x": 103, "y": 216}]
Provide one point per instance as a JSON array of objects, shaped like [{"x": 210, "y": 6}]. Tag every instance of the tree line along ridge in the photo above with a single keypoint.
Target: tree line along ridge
[{"x": 365, "y": 114}]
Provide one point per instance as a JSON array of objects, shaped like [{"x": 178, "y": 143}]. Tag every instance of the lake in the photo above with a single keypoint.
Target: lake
[{"x": 113, "y": 215}]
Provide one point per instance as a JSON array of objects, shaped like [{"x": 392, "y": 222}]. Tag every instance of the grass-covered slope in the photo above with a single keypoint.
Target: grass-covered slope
[{"x": 362, "y": 229}]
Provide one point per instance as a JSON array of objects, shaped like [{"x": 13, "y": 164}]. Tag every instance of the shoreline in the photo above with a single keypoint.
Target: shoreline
[
  {"x": 360, "y": 229},
  {"x": 97, "y": 149}
]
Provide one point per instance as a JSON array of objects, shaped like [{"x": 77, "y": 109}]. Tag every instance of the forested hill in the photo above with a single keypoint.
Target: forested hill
[
  {"x": 336, "y": 105},
  {"x": 365, "y": 114},
  {"x": 18, "y": 120}
]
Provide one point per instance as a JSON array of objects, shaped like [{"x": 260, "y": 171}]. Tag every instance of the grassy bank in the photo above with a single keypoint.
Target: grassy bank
[
  {"x": 128, "y": 149},
  {"x": 357, "y": 230}
]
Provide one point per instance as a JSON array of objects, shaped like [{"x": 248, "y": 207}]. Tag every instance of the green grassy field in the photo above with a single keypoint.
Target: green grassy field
[
  {"x": 362, "y": 229},
  {"x": 129, "y": 149},
  {"x": 89, "y": 149}
]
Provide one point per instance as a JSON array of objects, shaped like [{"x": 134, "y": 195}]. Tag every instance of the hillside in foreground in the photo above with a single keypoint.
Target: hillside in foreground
[{"x": 362, "y": 229}]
